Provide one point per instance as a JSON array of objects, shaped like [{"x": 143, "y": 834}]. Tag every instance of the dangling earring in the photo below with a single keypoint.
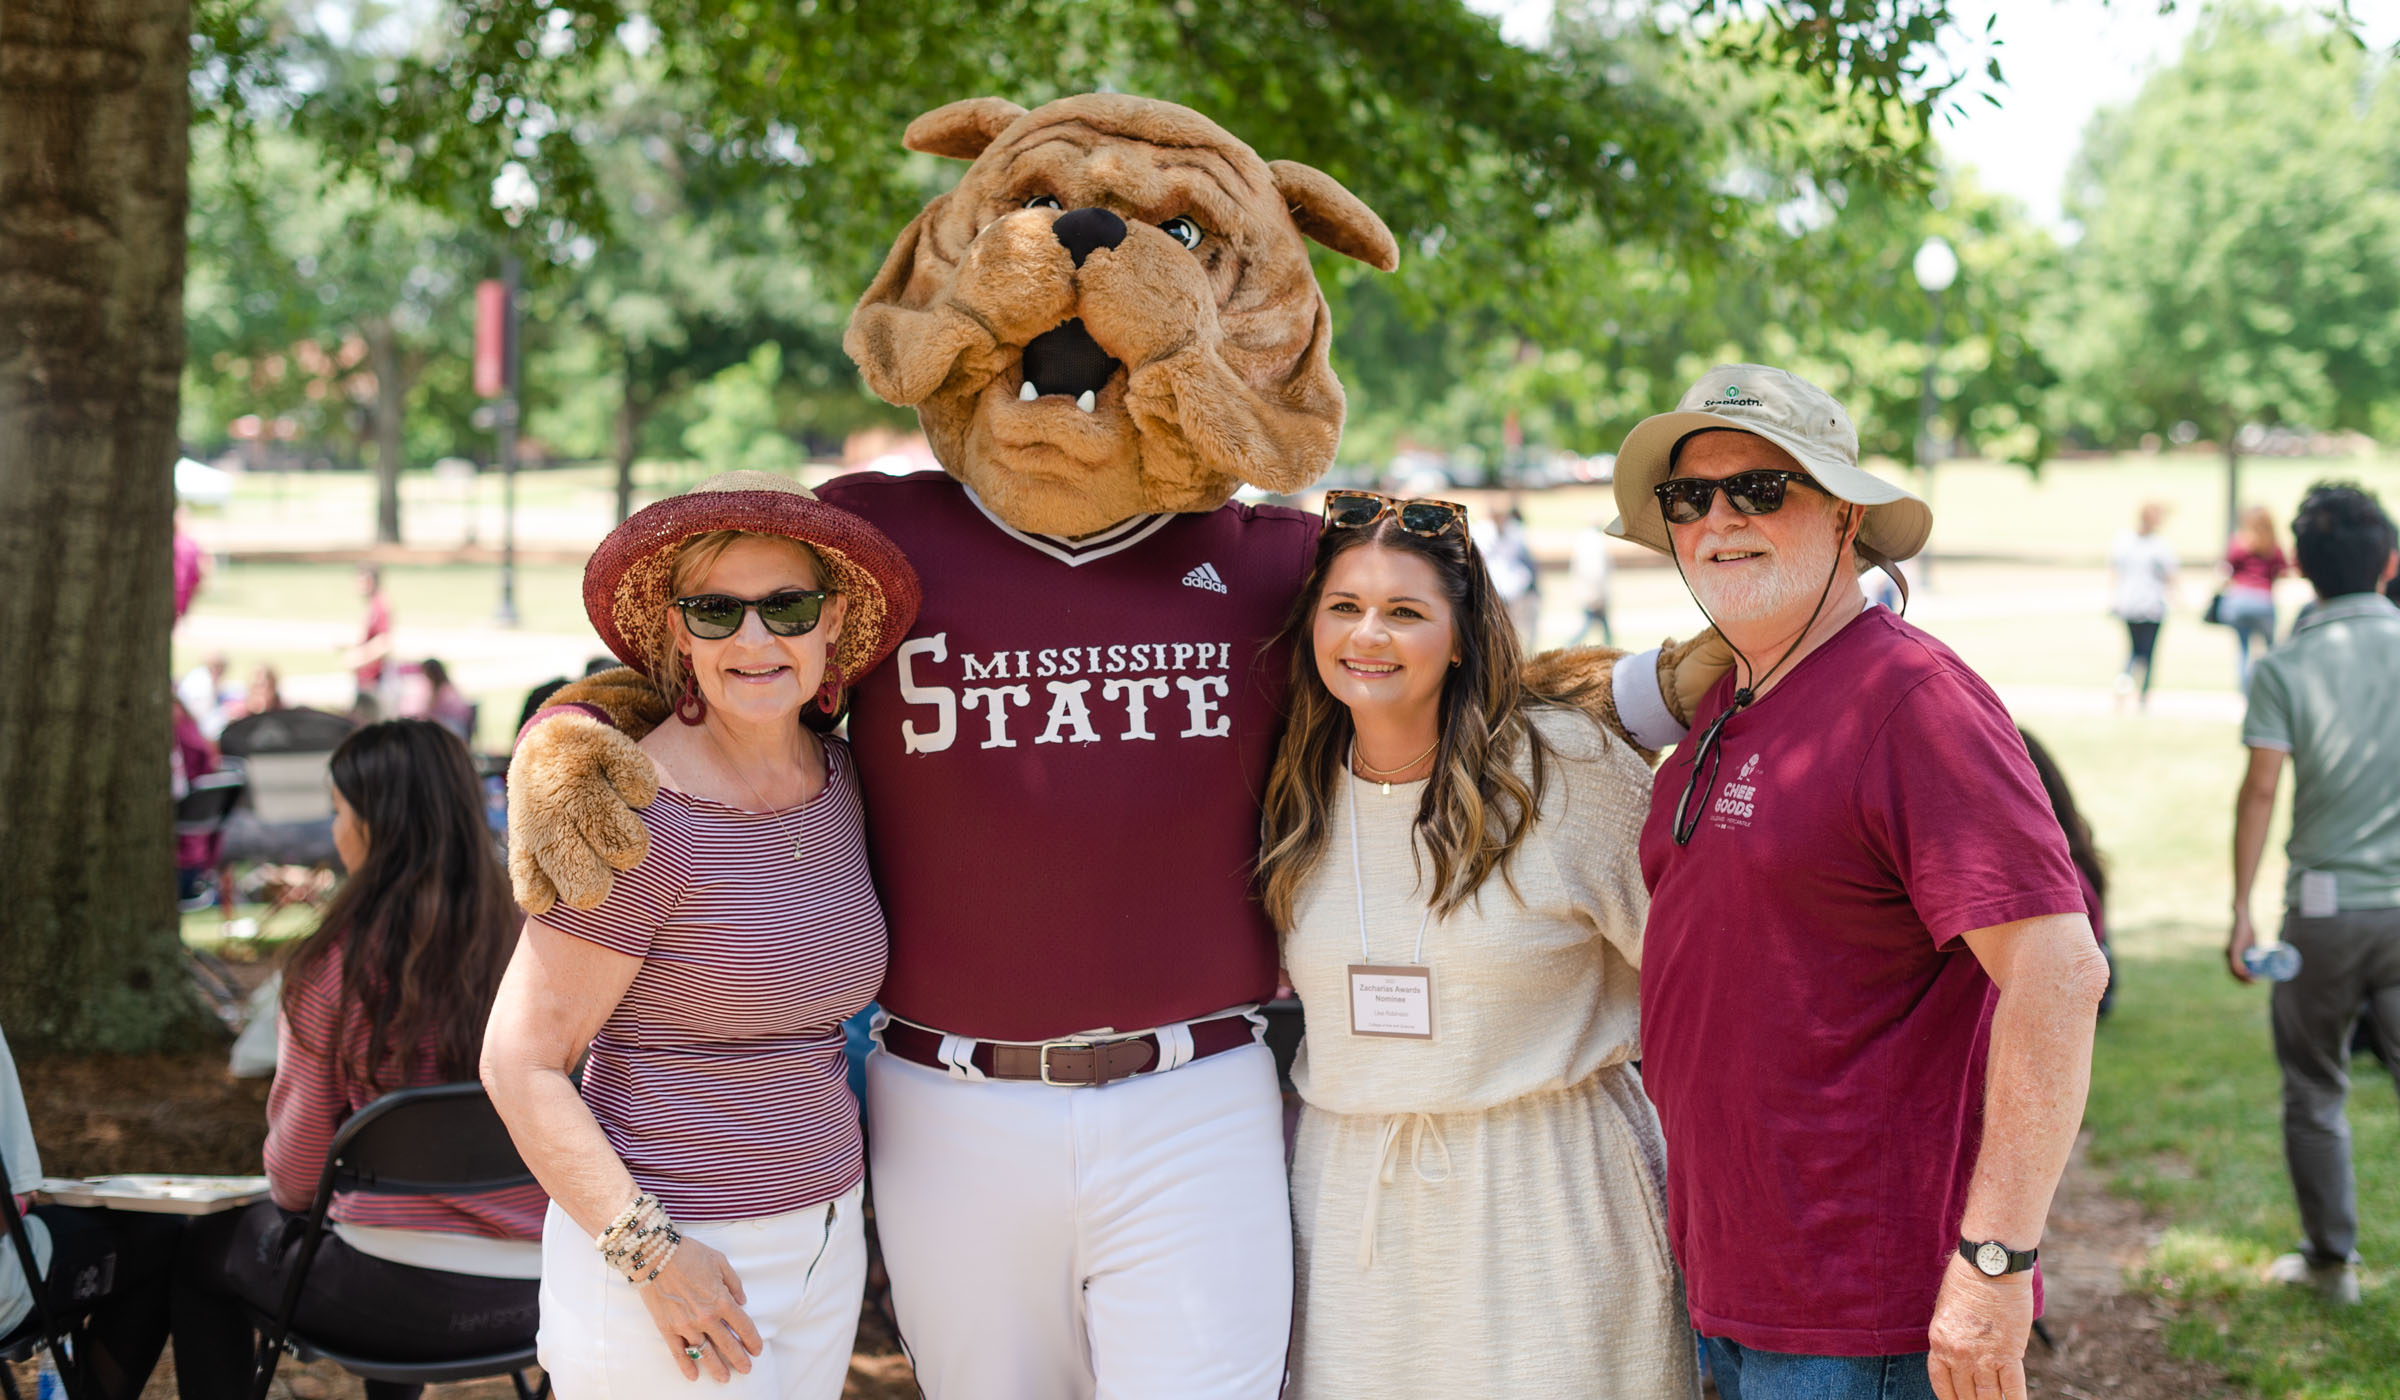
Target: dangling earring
[
  {"x": 690, "y": 707},
  {"x": 829, "y": 695}
]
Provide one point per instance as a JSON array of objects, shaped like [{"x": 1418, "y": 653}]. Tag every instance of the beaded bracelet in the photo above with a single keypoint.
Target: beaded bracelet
[{"x": 640, "y": 1240}]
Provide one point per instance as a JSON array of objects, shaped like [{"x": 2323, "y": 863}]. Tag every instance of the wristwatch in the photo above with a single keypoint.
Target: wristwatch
[{"x": 1993, "y": 1259}]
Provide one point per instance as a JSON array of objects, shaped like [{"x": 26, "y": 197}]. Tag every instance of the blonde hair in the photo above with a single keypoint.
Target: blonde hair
[
  {"x": 698, "y": 555},
  {"x": 2257, "y": 530}
]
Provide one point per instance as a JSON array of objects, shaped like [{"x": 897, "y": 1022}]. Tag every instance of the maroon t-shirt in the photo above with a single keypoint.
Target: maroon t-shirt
[
  {"x": 1813, "y": 1027},
  {"x": 1064, "y": 760}
]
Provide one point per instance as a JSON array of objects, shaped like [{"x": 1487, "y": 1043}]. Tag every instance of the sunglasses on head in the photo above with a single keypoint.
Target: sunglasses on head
[
  {"x": 1356, "y": 510},
  {"x": 716, "y": 616},
  {"x": 1686, "y": 499}
]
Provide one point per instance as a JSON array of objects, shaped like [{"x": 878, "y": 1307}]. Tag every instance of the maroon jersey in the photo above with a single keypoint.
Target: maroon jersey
[{"x": 1064, "y": 760}]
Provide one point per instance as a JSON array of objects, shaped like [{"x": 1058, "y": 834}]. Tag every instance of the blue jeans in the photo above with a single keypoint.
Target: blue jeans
[
  {"x": 1743, "y": 1374},
  {"x": 2251, "y": 615}
]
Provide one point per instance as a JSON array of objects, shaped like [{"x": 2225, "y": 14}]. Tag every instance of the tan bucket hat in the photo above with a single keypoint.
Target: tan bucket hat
[{"x": 1789, "y": 412}]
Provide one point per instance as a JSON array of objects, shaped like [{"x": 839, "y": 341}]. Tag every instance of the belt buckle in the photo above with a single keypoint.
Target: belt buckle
[{"x": 1070, "y": 1043}]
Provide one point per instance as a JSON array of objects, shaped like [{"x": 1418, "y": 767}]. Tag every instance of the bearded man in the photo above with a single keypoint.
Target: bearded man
[{"x": 1869, "y": 985}]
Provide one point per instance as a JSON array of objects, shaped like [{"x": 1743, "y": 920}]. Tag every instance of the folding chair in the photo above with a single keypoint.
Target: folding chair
[
  {"x": 286, "y": 813},
  {"x": 444, "y": 1139},
  {"x": 38, "y": 1329}
]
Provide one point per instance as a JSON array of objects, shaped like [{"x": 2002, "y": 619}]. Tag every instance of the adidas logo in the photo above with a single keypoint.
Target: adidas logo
[{"x": 1206, "y": 576}]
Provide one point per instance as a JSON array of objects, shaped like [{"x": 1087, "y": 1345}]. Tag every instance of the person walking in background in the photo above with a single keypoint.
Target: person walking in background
[
  {"x": 2142, "y": 583},
  {"x": 1592, "y": 571},
  {"x": 2253, "y": 561},
  {"x": 191, "y": 565},
  {"x": 370, "y": 658},
  {"x": 2325, "y": 701},
  {"x": 1508, "y": 555},
  {"x": 1868, "y": 984},
  {"x": 1502, "y": 1119},
  {"x": 389, "y": 993}
]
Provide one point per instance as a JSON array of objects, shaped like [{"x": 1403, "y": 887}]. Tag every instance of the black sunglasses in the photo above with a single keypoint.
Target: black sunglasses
[
  {"x": 1686, "y": 499},
  {"x": 716, "y": 616},
  {"x": 1355, "y": 510}
]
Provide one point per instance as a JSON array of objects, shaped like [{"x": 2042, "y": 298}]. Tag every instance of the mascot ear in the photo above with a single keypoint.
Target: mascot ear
[
  {"x": 1326, "y": 212},
  {"x": 962, "y": 129}
]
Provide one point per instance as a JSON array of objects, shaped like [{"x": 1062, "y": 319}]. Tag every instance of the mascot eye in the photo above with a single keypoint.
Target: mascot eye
[
  {"x": 1044, "y": 201},
  {"x": 1183, "y": 231}
]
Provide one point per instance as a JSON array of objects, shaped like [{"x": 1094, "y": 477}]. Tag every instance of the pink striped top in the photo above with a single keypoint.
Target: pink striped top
[
  {"x": 312, "y": 1099},
  {"x": 719, "y": 1078}
]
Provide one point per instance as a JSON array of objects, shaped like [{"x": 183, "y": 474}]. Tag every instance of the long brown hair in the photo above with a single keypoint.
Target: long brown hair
[
  {"x": 1476, "y": 810},
  {"x": 425, "y": 926},
  {"x": 2080, "y": 848}
]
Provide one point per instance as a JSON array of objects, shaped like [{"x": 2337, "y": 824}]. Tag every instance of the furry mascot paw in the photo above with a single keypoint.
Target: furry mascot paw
[
  {"x": 573, "y": 786},
  {"x": 1686, "y": 670}
]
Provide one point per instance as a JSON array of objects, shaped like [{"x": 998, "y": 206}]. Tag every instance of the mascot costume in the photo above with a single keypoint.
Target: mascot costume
[{"x": 1106, "y": 328}]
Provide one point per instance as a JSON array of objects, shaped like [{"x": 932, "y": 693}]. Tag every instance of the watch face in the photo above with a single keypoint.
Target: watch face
[{"x": 1991, "y": 1258}]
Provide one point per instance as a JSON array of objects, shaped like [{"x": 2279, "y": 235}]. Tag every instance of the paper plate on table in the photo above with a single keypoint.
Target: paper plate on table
[{"x": 163, "y": 1195}]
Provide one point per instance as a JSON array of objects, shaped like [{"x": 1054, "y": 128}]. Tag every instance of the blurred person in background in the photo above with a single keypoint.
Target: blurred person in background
[
  {"x": 202, "y": 691},
  {"x": 2325, "y": 700},
  {"x": 2080, "y": 849},
  {"x": 109, "y": 1266},
  {"x": 2141, "y": 568},
  {"x": 370, "y": 658},
  {"x": 191, "y": 565},
  {"x": 2253, "y": 561},
  {"x": 195, "y": 756},
  {"x": 264, "y": 696},
  {"x": 436, "y": 697},
  {"x": 390, "y": 992},
  {"x": 1508, "y": 555},
  {"x": 1592, "y": 570}
]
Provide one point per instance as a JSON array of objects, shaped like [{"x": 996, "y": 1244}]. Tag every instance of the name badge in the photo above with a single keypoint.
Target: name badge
[
  {"x": 2320, "y": 894},
  {"x": 1393, "y": 1001}
]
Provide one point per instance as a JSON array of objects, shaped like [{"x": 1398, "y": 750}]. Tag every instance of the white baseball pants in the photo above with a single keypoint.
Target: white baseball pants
[
  {"x": 1126, "y": 1242},
  {"x": 803, "y": 1272}
]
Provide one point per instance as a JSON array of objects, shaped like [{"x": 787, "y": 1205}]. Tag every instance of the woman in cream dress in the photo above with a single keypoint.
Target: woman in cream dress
[{"x": 1477, "y": 1188}]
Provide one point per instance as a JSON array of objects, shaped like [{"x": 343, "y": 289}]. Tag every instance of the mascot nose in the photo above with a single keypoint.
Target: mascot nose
[{"x": 1082, "y": 230}]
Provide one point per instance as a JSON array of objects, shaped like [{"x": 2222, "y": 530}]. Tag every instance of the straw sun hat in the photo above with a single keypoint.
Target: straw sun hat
[{"x": 628, "y": 583}]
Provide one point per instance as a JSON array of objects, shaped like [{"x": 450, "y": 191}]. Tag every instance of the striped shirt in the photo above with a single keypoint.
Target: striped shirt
[
  {"x": 312, "y": 1098},
  {"x": 719, "y": 1077}
]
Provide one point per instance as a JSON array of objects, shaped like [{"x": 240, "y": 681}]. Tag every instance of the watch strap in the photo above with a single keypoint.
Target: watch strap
[{"x": 1981, "y": 1254}]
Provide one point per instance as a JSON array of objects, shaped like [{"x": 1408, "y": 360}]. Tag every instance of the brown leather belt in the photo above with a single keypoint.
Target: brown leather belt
[{"x": 1075, "y": 1061}]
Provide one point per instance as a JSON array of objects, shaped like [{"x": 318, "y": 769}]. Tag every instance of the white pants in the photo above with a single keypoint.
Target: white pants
[
  {"x": 804, "y": 1273},
  {"x": 1129, "y": 1242}
]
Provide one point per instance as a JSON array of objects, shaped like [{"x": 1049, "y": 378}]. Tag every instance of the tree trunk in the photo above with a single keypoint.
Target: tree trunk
[
  {"x": 391, "y": 402},
  {"x": 93, "y": 123},
  {"x": 630, "y": 413}
]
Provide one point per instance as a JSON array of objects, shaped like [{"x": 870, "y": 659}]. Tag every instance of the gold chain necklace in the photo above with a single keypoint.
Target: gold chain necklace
[
  {"x": 1384, "y": 775},
  {"x": 766, "y": 808}
]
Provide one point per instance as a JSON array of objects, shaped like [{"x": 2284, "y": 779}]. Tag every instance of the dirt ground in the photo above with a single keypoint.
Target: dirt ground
[{"x": 185, "y": 1113}]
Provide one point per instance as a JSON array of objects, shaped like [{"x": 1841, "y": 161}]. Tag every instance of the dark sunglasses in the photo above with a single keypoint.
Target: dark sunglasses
[
  {"x": 1356, "y": 510},
  {"x": 716, "y": 616},
  {"x": 1686, "y": 499}
]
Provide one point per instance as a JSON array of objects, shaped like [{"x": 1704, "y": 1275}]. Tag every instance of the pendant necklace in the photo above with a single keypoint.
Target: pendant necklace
[
  {"x": 1384, "y": 775},
  {"x": 766, "y": 808}
]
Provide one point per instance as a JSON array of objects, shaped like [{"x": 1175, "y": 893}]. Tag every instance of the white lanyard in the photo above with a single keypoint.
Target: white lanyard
[{"x": 1358, "y": 879}]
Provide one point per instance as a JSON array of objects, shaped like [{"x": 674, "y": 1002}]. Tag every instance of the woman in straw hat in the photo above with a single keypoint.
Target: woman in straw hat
[{"x": 706, "y": 1178}]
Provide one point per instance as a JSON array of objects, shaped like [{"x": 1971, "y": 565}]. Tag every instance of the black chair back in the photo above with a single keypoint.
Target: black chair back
[
  {"x": 208, "y": 802},
  {"x": 442, "y": 1139},
  {"x": 285, "y": 731},
  {"x": 22, "y": 1240}
]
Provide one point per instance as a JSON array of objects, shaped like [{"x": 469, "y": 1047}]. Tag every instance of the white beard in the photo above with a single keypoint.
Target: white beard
[{"x": 1755, "y": 591}]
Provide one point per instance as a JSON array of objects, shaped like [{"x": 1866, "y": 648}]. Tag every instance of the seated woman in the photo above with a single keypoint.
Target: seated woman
[
  {"x": 706, "y": 1180},
  {"x": 390, "y": 992},
  {"x": 1451, "y": 859},
  {"x": 104, "y": 1272}
]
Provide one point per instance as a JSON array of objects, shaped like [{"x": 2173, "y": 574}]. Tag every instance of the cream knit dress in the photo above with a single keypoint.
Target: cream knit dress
[{"x": 1482, "y": 1214}]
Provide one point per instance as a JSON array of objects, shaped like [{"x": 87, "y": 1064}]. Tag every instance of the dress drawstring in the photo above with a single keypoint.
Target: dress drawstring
[{"x": 1387, "y": 1163}]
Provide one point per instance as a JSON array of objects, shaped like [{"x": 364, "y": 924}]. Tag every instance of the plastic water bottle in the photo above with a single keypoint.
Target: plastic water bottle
[
  {"x": 2272, "y": 962},
  {"x": 46, "y": 1384}
]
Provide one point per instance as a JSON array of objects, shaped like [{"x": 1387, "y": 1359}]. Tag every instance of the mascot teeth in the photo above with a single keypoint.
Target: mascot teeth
[
  {"x": 1087, "y": 400},
  {"x": 1028, "y": 394}
]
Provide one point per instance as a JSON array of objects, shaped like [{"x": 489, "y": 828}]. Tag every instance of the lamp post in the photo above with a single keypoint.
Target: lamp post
[
  {"x": 1936, "y": 267},
  {"x": 496, "y": 379}
]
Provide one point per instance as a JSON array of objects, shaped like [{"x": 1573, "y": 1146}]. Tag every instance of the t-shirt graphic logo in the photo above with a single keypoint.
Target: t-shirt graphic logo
[
  {"x": 1206, "y": 576},
  {"x": 1737, "y": 801}
]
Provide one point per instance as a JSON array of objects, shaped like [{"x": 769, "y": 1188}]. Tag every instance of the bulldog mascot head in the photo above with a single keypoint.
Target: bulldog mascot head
[{"x": 1113, "y": 312}]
